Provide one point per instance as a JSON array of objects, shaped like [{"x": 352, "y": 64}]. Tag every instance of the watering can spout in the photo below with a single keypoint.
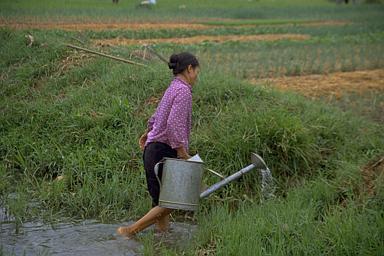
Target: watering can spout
[{"x": 257, "y": 162}]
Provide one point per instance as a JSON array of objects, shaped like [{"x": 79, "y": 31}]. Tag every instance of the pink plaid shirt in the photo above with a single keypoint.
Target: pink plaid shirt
[{"x": 171, "y": 123}]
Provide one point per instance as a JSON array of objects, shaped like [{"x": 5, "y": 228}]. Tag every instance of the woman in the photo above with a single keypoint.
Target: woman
[{"x": 167, "y": 135}]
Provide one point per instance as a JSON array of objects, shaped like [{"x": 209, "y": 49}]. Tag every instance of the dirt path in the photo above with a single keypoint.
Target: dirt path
[
  {"x": 200, "y": 39},
  {"x": 108, "y": 25},
  {"x": 334, "y": 84}
]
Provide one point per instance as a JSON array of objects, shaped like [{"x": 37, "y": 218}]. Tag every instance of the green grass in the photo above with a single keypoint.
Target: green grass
[
  {"x": 309, "y": 221},
  {"x": 169, "y": 10},
  {"x": 368, "y": 104},
  {"x": 74, "y": 124},
  {"x": 66, "y": 113},
  {"x": 329, "y": 49}
]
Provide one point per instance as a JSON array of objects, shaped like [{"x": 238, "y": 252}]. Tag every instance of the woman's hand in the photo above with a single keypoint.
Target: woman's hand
[
  {"x": 182, "y": 153},
  {"x": 142, "y": 140}
]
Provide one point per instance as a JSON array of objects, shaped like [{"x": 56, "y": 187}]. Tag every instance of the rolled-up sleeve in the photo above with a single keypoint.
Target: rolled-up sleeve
[{"x": 178, "y": 123}]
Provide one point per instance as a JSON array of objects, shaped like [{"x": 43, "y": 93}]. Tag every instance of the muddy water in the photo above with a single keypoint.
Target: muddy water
[{"x": 80, "y": 238}]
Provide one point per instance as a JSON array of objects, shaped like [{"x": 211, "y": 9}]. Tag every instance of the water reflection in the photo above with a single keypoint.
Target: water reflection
[{"x": 82, "y": 238}]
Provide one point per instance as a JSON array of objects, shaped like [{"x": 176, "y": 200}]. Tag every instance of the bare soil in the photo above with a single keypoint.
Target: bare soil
[
  {"x": 108, "y": 25},
  {"x": 333, "y": 85},
  {"x": 200, "y": 39}
]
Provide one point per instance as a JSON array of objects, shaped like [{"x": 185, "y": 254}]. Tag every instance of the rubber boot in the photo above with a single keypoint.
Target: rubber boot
[{"x": 154, "y": 215}]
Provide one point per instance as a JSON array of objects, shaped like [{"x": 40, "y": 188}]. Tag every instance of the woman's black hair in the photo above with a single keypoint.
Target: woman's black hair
[{"x": 180, "y": 62}]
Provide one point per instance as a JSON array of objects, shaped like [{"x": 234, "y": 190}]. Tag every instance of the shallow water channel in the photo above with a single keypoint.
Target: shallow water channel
[{"x": 87, "y": 237}]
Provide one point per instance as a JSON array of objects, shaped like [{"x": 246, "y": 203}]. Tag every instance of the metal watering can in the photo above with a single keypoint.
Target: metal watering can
[{"x": 181, "y": 181}]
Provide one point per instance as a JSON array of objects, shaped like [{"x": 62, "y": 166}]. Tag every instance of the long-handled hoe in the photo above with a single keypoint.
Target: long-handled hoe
[{"x": 105, "y": 55}]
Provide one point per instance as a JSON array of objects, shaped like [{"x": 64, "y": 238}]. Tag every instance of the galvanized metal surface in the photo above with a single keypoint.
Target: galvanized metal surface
[
  {"x": 181, "y": 181},
  {"x": 257, "y": 162},
  {"x": 225, "y": 181},
  {"x": 180, "y": 184}
]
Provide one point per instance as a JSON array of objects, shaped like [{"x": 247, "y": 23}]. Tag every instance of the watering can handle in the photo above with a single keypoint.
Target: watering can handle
[{"x": 156, "y": 170}]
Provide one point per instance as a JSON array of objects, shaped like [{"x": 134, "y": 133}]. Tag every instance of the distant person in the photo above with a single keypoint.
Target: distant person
[
  {"x": 115, "y": 1},
  {"x": 148, "y": 2},
  {"x": 167, "y": 135}
]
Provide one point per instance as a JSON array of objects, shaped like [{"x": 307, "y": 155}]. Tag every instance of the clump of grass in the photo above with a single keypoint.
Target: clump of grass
[
  {"x": 5, "y": 180},
  {"x": 310, "y": 220},
  {"x": 16, "y": 207},
  {"x": 109, "y": 197}
]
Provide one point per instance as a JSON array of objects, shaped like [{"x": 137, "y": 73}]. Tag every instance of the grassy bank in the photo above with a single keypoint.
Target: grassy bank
[
  {"x": 69, "y": 125},
  {"x": 82, "y": 121},
  {"x": 314, "y": 219}
]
